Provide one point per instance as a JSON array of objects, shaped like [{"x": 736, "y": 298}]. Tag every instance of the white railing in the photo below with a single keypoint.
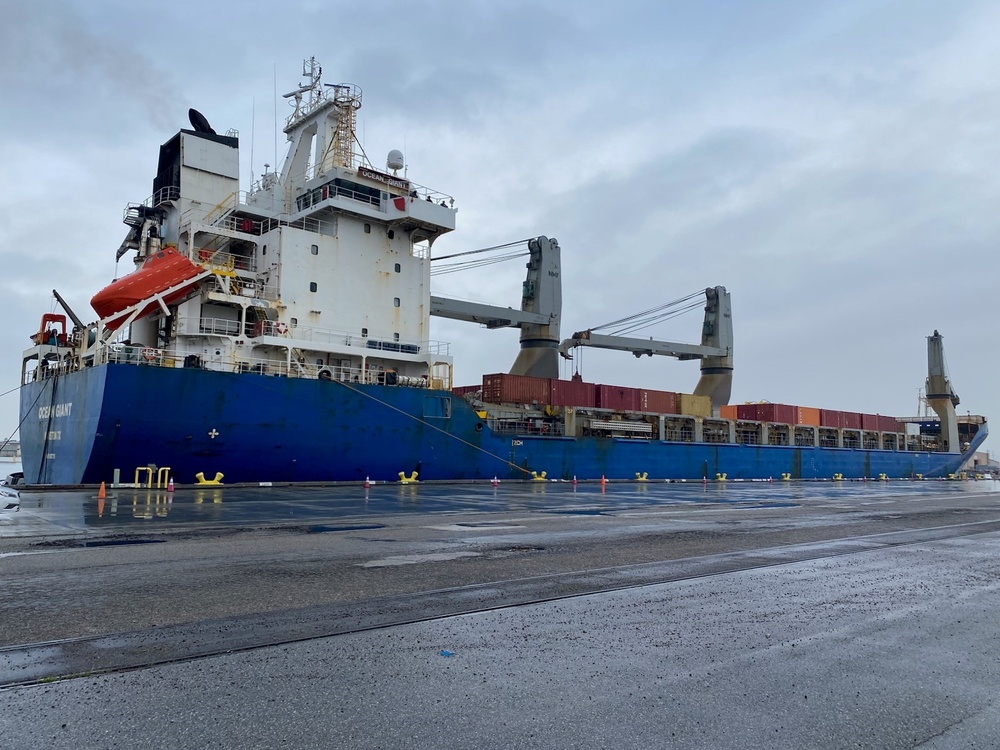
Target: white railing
[
  {"x": 147, "y": 356},
  {"x": 300, "y": 336}
]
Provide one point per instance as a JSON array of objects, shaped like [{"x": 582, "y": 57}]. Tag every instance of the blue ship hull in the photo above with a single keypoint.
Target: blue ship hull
[{"x": 79, "y": 427}]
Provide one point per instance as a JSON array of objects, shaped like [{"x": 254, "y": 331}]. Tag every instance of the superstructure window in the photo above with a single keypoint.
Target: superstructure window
[
  {"x": 314, "y": 249},
  {"x": 395, "y": 301},
  {"x": 293, "y": 322},
  {"x": 395, "y": 337},
  {"x": 398, "y": 268},
  {"x": 392, "y": 234},
  {"x": 312, "y": 286},
  {"x": 368, "y": 228}
]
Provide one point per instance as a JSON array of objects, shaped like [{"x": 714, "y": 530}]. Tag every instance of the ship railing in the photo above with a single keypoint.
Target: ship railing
[
  {"x": 148, "y": 356},
  {"x": 167, "y": 194},
  {"x": 345, "y": 338},
  {"x": 219, "y": 326},
  {"x": 225, "y": 262},
  {"x": 227, "y": 204},
  {"x": 539, "y": 427}
]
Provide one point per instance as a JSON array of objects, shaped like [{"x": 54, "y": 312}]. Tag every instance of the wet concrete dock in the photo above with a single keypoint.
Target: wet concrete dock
[{"x": 519, "y": 616}]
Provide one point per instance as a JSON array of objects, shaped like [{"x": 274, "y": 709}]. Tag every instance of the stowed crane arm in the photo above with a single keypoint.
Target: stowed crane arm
[{"x": 638, "y": 347}]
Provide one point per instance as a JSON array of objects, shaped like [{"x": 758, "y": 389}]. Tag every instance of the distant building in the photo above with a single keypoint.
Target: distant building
[{"x": 982, "y": 462}]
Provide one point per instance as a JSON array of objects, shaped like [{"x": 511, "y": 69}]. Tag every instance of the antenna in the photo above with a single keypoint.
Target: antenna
[
  {"x": 253, "y": 131},
  {"x": 275, "y": 84}
]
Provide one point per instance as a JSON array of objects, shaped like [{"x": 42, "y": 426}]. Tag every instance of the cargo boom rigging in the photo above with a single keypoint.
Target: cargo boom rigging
[{"x": 541, "y": 308}]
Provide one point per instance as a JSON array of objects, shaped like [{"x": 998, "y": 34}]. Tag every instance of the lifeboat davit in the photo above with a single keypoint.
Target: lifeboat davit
[{"x": 164, "y": 270}]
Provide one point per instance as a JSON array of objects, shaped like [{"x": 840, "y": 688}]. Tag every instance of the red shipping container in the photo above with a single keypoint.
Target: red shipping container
[
  {"x": 831, "y": 418},
  {"x": 870, "y": 422},
  {"x": 572, "y": 393},
  {"x": 781, "y": 413},
  {"x": 852, "y": 420},
  {"x": 617, "y": 397},
  {"x": 503, "y": 388},
  {"x": 888, "y": 424},
  {"x": 658, "y": 402},
  {"x": 747, "y": 412},
  {"x": 463, "y": 390}
]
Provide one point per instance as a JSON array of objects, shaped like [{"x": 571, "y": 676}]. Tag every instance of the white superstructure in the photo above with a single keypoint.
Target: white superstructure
[{"x": 321, "y": 269}]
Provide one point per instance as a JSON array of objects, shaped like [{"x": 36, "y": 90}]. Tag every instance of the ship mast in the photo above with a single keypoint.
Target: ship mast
[{"x": 320, "y": 129}]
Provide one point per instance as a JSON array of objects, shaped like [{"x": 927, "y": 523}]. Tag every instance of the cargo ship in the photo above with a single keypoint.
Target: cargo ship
[{"x": 282, "y": 334}]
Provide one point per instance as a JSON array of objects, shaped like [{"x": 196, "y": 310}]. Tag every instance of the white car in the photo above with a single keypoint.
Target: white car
[{"x": 10, "y": 498}]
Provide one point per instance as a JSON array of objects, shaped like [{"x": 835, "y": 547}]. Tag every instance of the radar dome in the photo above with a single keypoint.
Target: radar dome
[{"x": 395, "y": 159}]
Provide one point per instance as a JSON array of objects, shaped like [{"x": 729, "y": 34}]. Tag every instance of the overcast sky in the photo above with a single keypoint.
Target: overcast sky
[{"x": 833, "y": 164}]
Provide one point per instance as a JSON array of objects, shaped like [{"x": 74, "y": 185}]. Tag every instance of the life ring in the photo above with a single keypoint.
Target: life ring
[
  {"x": 281, "y": 328},
  {"x": 148, "y": 353}
]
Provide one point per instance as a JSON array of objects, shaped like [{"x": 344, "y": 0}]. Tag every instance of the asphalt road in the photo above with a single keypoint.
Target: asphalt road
[{"x": 798, "y": 616}]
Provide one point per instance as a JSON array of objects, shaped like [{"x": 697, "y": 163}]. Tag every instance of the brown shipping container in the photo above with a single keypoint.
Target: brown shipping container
[
  {"x": 808, "y": 415},
  {"x": 870, "y": 422},
  {"x": 658, "y": 402},
  {"x": 781, "y": 413},
  {"x": 573, "y": 393},
  {"x": 831, "y": 418},
  {"x": 617, "y": 397},
  {"x": 462, "y": 390},
  {"x": 502, "y": 388},
  {"x": 888, "y": 424},
  {"x": 695, "y": 406},
  {"x": 852, "y": 420},
  {"x": 747, "y": 412},
  {"x": 729, "y": 412}
]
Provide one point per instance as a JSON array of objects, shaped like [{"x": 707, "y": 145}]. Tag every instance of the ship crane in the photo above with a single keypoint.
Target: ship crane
[
  {"x": 715, "y": 350},
  {"x": 538, "y": 318}
]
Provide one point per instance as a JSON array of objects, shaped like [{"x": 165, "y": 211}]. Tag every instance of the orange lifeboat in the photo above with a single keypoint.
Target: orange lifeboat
[{"x": 164, "y": 270}]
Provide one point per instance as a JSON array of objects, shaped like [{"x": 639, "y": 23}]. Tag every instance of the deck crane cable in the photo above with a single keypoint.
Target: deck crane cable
[
  {"x": 27, "y": 412},
  {"x": 515, "y": 243},
  {"x": 466, "y": 265},
  {"x": 478, "y": 263},
  {"x": 653, "y": 315},
  {"x": 647, "y": 323}
]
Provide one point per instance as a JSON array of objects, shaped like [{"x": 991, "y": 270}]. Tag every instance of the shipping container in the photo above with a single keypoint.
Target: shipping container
[
  {"x": 573, "y": 393},
  {"x": 831, "y": 418},
  {"x": 729, "y": 412},
  {"x": 464, "y": 390},
  {"x": 780, "y": 413},
  {"x": 809, "y": 415},
  {"x": 503, "y": 388},
  {"x": 870, "y": 422},
  {"x": 889, "y": 424},
  {"x": 747, "y": 412},
  {"x": 852, "y": 420},
  {"x": 617, "y": 397},
  {"x": 695, "y": 406},
  {"x": 658, "y": 402}
]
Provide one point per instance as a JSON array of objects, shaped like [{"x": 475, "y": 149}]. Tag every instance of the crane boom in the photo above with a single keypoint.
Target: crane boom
[
  {"x": 638, "y": 347},
  {"x": 715, "y": 350},
  {"x": 538, "y": 318}
]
